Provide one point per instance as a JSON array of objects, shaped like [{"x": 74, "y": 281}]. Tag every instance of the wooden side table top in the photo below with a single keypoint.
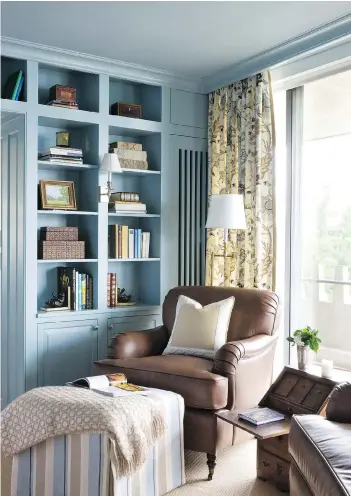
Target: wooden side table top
[{"x": 265, "y": 431}]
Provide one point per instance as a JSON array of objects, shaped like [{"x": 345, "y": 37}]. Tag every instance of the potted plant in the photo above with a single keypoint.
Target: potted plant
[{"x": 305, "y": 339}]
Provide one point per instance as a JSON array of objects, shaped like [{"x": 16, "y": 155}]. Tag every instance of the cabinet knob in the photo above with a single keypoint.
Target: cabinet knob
[
  {"x": 95, "y": 328},
  {"x": 110, "y": 326}
]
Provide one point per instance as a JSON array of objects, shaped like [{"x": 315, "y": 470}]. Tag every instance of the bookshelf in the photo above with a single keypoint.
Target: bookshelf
[{"x": 92, "y": 129}]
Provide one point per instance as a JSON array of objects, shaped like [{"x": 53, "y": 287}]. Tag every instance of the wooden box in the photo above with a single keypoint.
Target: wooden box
[
  {"x": 66, "y": 93},
  {"x": 293, "y": 392},
  {"x": 51, "y": 233},
  {"x": 126, "y": 110},
  {"x": 57, "y": 250}
]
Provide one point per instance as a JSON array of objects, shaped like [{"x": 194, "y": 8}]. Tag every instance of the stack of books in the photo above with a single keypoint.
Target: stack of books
[
  {"x": 62, "y": 154},
  {"x": 63, "y": 96},
  {"x": 127, "y": 203},
  {"x": 131, "y": 155},
  {"x": 13, "y": 86},
  {"x": 128, "y": 243}
]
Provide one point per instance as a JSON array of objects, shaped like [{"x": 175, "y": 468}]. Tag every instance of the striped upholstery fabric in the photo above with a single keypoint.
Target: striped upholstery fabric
[{"x": 79, "y": 464}]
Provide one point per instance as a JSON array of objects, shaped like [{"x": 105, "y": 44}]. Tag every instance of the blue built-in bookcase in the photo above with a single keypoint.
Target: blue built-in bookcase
[{"x": 57, "y": 347}]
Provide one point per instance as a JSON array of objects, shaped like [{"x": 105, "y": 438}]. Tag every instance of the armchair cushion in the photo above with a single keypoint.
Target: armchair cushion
[
  {"x": 189, "y": 376},
  {"x": 199, "y": 331}
]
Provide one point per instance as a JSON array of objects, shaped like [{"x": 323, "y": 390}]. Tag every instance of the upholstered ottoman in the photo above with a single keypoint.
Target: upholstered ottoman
[{"x": 79, "y": 465}]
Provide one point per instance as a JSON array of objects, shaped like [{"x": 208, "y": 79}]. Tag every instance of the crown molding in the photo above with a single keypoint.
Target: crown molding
[
  {"x": 12, "y": 47},
  {"x": 313, "y": 41}
]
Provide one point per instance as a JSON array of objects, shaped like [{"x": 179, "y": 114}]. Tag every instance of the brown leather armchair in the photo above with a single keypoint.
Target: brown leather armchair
[
  {"x": 238, "y": 377},
  {"x": 320, "y": 449}
]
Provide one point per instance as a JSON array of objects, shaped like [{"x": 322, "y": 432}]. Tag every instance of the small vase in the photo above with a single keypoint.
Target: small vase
[{"x": 302, "y": 357}]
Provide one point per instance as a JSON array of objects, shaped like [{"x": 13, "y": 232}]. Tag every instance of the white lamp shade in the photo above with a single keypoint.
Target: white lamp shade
[
  {"x": 226, "y": 212},
  {"x": 110, "y": 163}
]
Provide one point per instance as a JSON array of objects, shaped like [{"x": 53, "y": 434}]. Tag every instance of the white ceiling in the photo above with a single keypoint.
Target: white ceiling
[{"x": 193, "y": 39}]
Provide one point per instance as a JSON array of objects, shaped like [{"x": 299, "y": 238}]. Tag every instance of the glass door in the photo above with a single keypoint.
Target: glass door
[{"x": 320, "y": 265}]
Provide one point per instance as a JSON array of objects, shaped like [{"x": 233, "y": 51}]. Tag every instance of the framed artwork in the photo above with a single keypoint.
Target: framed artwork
[{"x": 57, "y": 195}]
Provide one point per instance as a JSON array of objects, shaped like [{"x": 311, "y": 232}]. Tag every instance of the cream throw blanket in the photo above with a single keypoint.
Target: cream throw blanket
[{"x": 133, "y": 423}]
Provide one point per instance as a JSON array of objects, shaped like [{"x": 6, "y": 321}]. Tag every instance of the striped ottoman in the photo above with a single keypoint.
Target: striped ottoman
[{"x": 79, "y": 464}]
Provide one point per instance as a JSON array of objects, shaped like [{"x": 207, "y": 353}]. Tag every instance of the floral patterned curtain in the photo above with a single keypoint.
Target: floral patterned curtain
[{"x": 241, "y": 139}]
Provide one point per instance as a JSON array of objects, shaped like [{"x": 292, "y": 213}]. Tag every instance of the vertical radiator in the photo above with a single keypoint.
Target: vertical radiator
[{"x": 192, "y": 217}]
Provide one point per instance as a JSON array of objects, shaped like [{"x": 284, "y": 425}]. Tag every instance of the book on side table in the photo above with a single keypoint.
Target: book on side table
[
  {"x": 109, "y": 385},
  {"x": 260, "y": 416}
]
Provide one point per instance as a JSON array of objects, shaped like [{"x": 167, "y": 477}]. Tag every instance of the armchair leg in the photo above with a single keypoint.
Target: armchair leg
[{"x": 211, "y": 463}]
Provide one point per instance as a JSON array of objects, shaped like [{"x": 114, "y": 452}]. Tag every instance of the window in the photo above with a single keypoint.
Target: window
[{"x": 319, "y": 232}]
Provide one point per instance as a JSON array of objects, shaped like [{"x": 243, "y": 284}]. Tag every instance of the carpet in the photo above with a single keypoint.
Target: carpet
[{"x": 235, "y": 474}]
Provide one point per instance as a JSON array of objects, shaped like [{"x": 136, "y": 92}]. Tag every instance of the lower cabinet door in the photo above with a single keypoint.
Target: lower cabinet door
[
  {"x": 66, "y": 351},
  {"x": 124, "y": 324}
]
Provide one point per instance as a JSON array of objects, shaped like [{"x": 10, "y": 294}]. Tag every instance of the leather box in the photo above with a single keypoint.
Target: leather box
[
  {"x": 126, "y": 110},
  {"x": 66, "y": 93},
  {"x": 293, "y": 392}
]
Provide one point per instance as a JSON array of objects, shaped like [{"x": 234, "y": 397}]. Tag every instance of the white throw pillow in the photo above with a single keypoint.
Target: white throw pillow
[{"x": 198, "y": 330}]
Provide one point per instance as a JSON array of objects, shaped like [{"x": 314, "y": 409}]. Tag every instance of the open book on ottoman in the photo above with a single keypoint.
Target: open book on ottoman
[{"x": 109, "y": 385}]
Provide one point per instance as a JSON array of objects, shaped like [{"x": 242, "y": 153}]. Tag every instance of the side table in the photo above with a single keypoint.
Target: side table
[{"x": 293, "y": 392}]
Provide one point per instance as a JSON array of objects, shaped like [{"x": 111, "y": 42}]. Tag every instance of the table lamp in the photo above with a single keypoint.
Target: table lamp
[
  {"x": 110, "y": 164},
  {"x": 225, "y": 212}
]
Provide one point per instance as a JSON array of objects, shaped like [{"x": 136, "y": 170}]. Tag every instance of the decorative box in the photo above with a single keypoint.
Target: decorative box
[
  {"x": 126, "y": 110},
  {"x": 133, "y": 164},
  {"x": 59, "y": 233},
  {"x": 129, "y": 154},
  {"x": 55, "y": 250},
  {"x": 66, "y": 93},
  {"x": 293, "y": 392}
]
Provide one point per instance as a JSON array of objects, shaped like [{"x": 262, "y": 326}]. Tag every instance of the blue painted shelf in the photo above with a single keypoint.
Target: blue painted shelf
[
  {"x": 134, "y": 128},
  {"x": 68, "y": 118},
  {"x": 72, "y": 260},
  {"x": 65, "y": 212},
  {"x": 113, "y": 260},
  {"x": 65, "y": 313},
  {"x": 44, "y": 165},
  {"x": 120, "y": 214},
  {"x": 140, "y": 172}
]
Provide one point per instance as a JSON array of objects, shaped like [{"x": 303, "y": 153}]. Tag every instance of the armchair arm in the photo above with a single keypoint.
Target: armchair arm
[
  {"x": 137, "y": 344},
  {"x": 339, "y": 404},
  {"x": 228, "y": 357}
]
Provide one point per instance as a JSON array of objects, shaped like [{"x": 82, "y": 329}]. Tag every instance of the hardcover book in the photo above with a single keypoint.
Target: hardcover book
[{"x": 260, "y": 416}]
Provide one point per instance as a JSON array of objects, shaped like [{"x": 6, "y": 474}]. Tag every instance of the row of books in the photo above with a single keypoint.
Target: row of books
[
  {"x": 62, "y": 154},
  {"x": 77, "y": 287},
  {"x": 13, "y": 86},
  {"x": 125, "y": 242}
]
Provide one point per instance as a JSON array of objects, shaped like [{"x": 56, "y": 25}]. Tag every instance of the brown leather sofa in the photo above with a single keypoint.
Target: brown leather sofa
[
  {"x": 320, "y": 449},
  {"x": 238, "y": 377}
]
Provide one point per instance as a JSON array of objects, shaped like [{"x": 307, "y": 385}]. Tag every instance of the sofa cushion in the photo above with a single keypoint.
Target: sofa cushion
[
  {"x": 199, "y": 331},
  {"x": 321, "y": 450},
  {"x": 189, "y": 376}
]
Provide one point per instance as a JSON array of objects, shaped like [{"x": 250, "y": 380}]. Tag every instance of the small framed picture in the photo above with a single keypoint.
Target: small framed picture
[{"x": 57, "y": 195}]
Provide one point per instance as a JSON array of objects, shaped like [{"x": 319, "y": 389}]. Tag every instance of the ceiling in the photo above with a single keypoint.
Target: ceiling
[{"x": 190, "y": 39}]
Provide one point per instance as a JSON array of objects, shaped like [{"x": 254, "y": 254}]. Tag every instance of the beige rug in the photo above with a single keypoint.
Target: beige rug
[{"x": 235, "y": 475}]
